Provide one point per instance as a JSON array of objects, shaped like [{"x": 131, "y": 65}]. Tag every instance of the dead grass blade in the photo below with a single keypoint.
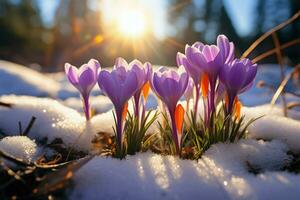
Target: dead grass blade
[
  {"x": 283, "y": 84},
  {"x": 268, "y": 33},
  {"x": 59, "y": 178}
]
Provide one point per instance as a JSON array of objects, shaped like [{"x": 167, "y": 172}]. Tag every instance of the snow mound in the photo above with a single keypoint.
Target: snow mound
[
  {"x": 53, "y": 120},
  {"x": 20, "y": 80},
  {"x": 273, "y": 125},
  {"x": 20, "y": 147},
  {"x": 103, "y": 123},
  {"x": 236, "y": 157},
  {"x": 220, "y": 174}
]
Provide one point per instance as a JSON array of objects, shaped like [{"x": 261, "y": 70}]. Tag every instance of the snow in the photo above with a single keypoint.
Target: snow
[
  {"x": 267, "y": 109},
  {"x": 273, "y": 125},
  {"x": 20, "y": 80},
  {"x": 220, "y": 174},
  {"x": 53, "y": 120},
  {"x": 20, "y": 147}
]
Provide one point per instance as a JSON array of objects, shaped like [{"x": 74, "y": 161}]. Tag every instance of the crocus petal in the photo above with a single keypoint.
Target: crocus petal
[
  {"x": 87, "y": 80},
  {"x": 71, "y": 72},
  {"x": 210, "y": 52},
  {"x": 129, "y": 86},
  {"x": 93, "y": 63},
  {"x": 194, "y": 72},
  {"x": 149, "y": 71},
  {"x": 137, "y": 63},
  {"x": 195, "y": 57},
  {"x": 226, "y": 47},
  {"x": 120, "y": 62},
  {"x": 198, "y": 45},
  {"x": 145, "y": 90},
  {"x": 170, "y": 92},
  {"x": 251, "y": 73},
  {"x": 137, "y": 67},
  {"x": 214, "y": 60},
  {"x": 204, "y": 85},
  {"x": 238, "y": 107},
  {"x": 237, "y": 76},
  {"x": 169, "y": 86},
  {"x": 179, "y": 117},
  {"x": 108, "y": 86},
  {"x": 125, "y": 110}
]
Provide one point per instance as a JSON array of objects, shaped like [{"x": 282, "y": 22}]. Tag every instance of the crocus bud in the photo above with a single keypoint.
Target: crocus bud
[
  {"x": 84, "y": 79},
  {"x": 169, "y": 85},
  {"x": 119, "y": 86},
  {"x": 237, "y": 76}
]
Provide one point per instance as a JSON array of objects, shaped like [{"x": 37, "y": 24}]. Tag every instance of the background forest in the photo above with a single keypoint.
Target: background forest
[{"x": 45, "y": 34}]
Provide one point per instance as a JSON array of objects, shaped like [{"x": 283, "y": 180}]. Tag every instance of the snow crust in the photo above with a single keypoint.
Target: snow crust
[
  {"x": 273, "y": 125},
  {"x": 220, "y": 174},
  {"x": 20, "y": 147}
]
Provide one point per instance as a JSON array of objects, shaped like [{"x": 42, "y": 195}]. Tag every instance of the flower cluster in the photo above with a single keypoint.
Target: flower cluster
[
  {"x": 207, "y": 72},
  {"x": 119, "y": 85},
  {"x": 214, "y": 68}
]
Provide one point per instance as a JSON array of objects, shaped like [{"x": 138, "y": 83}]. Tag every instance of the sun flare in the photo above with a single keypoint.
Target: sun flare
[{"x": 131, "y": 23}]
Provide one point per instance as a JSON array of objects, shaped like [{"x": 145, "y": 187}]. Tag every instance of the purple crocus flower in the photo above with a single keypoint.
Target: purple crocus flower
[
  {"x": 84, "y": 79},
  {"x": 169, "y": 86},
  {"x": 119, "y": 85},
  {"x": 210, "y": 59},
  {"x": 237, "y": 76},
  {"x": 143, "y": 73}
]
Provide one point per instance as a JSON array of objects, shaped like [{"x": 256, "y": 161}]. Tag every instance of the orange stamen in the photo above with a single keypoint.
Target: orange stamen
[
  {"x": 226, "y": 100},
  {"x": 125, "y": 110},
  {"x": 179, "y": 116},
  {"x": 145, "y": 90},
  {"x": 238, "y": 106},
  {"x": 204, "y": 85}
]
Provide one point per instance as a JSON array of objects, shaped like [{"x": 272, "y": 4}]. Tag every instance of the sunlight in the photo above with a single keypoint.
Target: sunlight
[
  {"x": 127, "y": 19},
  {"x": 131, "y": 23}
]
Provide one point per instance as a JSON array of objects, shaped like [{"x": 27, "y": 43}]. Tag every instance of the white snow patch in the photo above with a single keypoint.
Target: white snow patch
[
  {"x": 274, "y": 126},
  {"x": 20, "y": 147},
  {"x": 53, "y": 120},
  {"x": 268, "y": 109},
  {"x": 103, "y": 122},
  {"x": 20, "y": 80},
  {"x": 220, "y": 174}
]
